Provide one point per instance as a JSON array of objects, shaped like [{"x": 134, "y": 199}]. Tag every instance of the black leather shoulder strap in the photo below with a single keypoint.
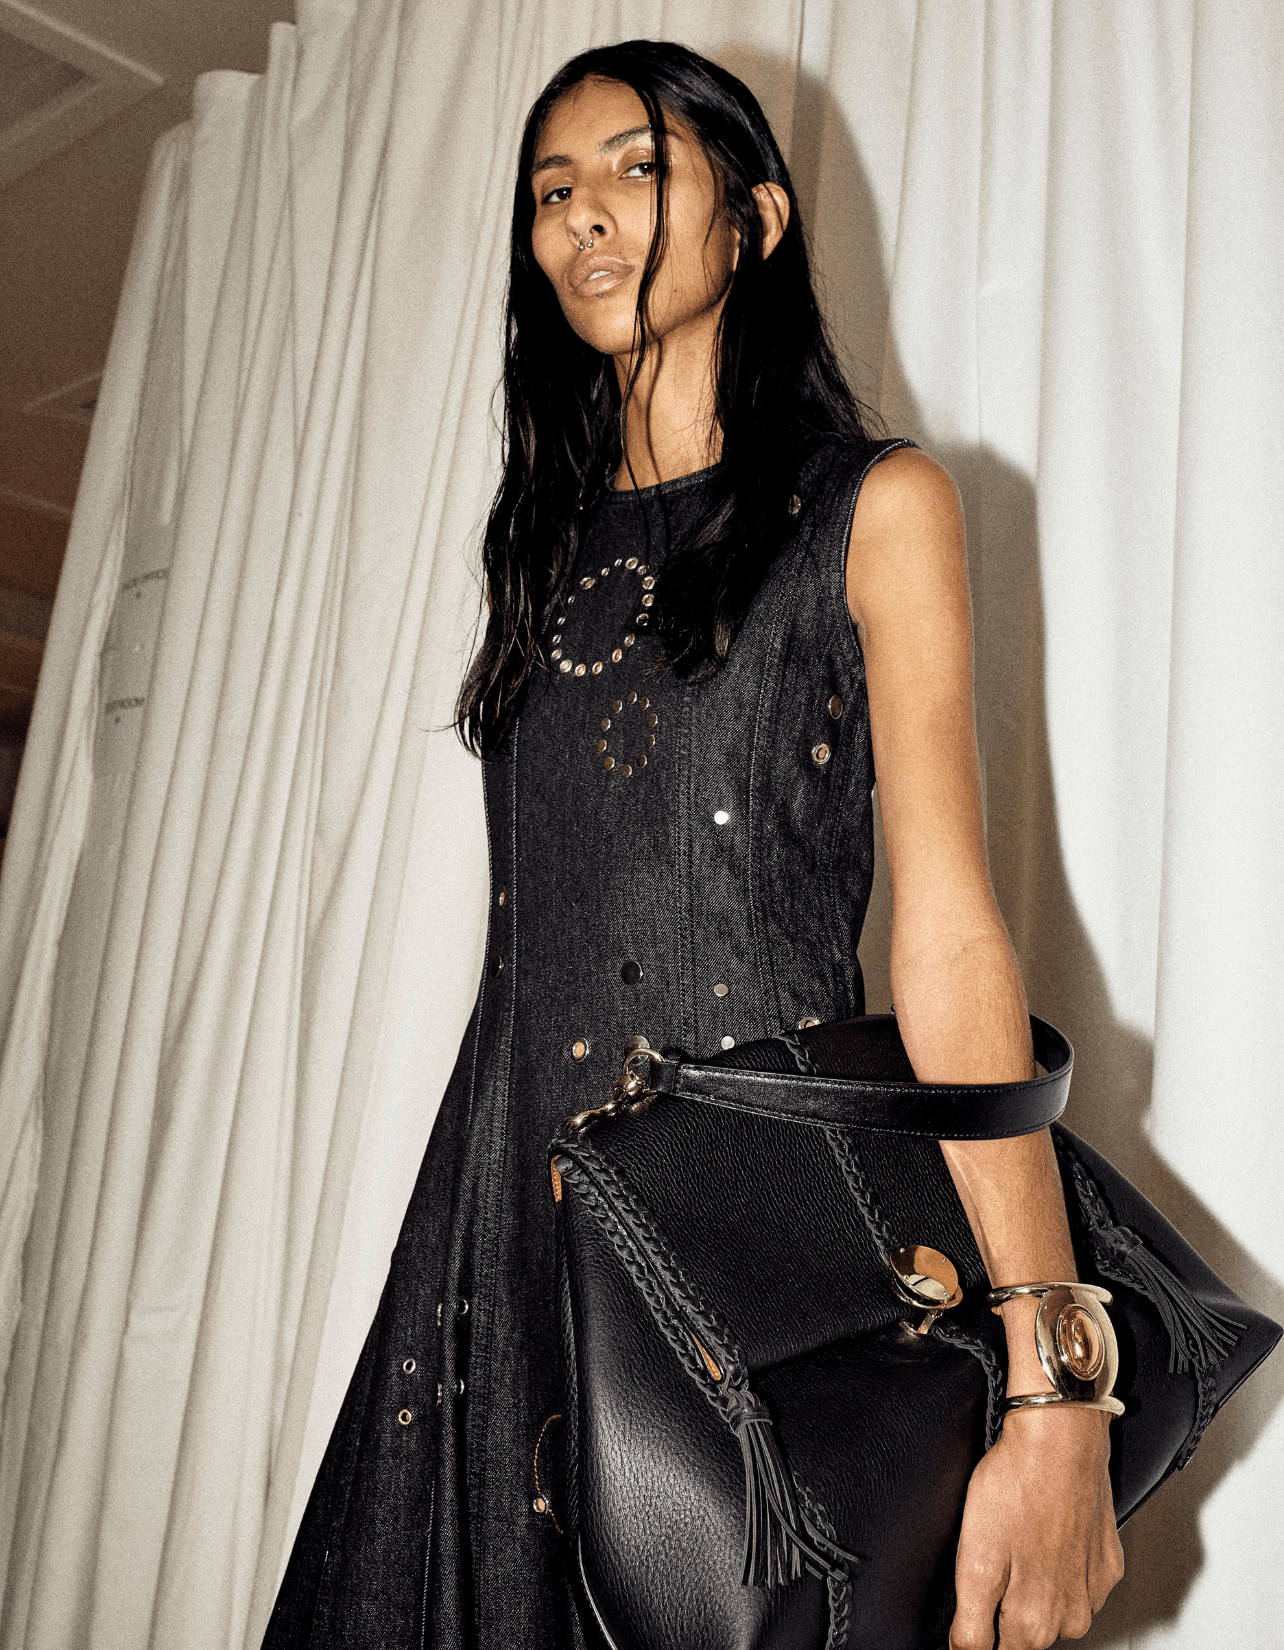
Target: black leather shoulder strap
[{"x": 855, "y": 1072}]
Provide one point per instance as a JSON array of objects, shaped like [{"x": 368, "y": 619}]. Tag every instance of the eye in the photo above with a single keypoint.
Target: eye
[
  {"x": 556, "y": 197},
  {"x": 641, "y": 169}
]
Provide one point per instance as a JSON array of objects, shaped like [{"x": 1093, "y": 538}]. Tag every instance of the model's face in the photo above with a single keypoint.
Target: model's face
[{"x": 594, "y": 179}]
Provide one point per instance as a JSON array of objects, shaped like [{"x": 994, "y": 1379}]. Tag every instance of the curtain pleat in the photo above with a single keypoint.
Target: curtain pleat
[{"x": 243, "y": 905}]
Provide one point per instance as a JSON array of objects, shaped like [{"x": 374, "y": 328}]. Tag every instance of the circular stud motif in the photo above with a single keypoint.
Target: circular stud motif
[
  {"x": 821, "y": 754},
  {"x": 565, "y": 665},
  {"x": 835, "y": 707},
  {"x": 807, "y": 1020},
  {"x": 795, "y": 504},
  {"x": 721, "y": 817},
  {"x": 409, "y": 1366},
  {"x": 652, "y": 720},
  {"x": 728, "y": 1042},
  {"x": 405, "y": 1417},
  {"x": 631, "y": 972},
  {"x": 584, "y": 666},
  {"x": 503, "y": 896},
  {"x": 579, "y": 1049},
  {"x": 623, "y": 764},
  {"x": 721, "y": 990}
]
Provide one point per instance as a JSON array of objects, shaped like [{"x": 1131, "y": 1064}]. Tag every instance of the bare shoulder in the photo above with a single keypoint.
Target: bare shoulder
[{"x": 907, "y": 539}]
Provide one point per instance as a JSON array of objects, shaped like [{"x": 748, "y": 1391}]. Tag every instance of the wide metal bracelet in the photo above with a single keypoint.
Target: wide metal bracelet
[{"x": 1076, "y": 1345}]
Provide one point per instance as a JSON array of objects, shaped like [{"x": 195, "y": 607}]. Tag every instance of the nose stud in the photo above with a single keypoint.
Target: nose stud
[{"x": 589, "y": 248}]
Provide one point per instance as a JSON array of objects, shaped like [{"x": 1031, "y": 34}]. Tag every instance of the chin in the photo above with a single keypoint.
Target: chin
[{"x": 610, "y": 334}]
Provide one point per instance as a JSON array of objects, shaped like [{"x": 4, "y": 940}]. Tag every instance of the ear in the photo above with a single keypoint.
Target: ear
[{"x": 773, "y": 208}]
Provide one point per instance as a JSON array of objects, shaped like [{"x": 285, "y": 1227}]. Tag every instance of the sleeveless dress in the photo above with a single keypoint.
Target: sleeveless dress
[{"x": 688, "y": 862}]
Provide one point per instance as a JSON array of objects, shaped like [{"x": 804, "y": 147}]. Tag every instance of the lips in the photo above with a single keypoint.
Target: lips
[{"x": 598, "y": 273}]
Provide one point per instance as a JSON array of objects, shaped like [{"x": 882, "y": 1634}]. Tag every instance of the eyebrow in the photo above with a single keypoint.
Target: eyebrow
[{"x": 550, "y": 162}]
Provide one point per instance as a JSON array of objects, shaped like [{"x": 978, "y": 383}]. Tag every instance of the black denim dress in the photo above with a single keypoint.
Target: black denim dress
[{"x": 688, "y": 862}]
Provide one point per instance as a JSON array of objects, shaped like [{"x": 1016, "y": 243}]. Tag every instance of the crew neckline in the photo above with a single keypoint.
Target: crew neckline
[{"x": 675, "y": 484}]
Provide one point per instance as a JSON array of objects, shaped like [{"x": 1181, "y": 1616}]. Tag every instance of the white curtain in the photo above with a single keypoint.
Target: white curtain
[{"x": 243, "y": 896}]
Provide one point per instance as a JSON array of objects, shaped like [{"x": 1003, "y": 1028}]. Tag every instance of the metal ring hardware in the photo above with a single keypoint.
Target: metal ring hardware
[{"x": 629, "y": 1094}]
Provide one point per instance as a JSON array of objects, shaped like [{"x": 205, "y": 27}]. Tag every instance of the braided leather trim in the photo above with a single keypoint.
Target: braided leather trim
[
  {"x": 1204, "y": 1412},
  {"x": 860, "y": 1186},
  {"x": 996, "y": 1379},
  {"x": 839, "y": 1588},
  {"x": 801, "y": 1053},
  {"x": 630, "y": 1207},
  {"x": 642, "y": 1262}
]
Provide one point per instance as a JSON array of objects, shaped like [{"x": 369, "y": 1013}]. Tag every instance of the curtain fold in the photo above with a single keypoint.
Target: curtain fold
[{"x": 243, "y": 904}]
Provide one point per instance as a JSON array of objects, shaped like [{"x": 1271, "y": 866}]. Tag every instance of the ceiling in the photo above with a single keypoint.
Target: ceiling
[{"x": 86, "y": 88}]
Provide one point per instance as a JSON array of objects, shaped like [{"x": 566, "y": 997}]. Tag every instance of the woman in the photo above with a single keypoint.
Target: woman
[{"x": 682, "y": 700}]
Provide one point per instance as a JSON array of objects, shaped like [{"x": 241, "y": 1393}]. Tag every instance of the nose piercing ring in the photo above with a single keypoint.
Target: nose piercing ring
[{"x": 590, "y": 242}]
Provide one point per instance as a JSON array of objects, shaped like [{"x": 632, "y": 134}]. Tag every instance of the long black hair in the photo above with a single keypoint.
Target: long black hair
[{"x": 779, "y": 393}]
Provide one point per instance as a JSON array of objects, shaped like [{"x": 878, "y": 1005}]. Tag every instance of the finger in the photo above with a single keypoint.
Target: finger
[
  {"x": 1025, "y": 1627},
  {"x": 1076, "y": 1623},
  {"x": 978, "y": 1592}
]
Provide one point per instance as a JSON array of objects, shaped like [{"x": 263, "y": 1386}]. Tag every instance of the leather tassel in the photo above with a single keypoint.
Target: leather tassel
[
  {"x": 1196, "y": 1335},
  {"x": 779, "y": 1540}
]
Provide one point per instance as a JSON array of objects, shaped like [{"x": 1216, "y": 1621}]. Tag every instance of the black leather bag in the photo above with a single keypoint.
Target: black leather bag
[{"x": 756, "y": 1450}]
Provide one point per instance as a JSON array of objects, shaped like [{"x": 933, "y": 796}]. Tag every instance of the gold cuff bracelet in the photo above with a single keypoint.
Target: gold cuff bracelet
[{"x": 1076, "y": 1345}]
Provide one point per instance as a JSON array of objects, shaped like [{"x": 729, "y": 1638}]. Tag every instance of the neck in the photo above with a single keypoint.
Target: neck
[{"x": 669, "y": 427}]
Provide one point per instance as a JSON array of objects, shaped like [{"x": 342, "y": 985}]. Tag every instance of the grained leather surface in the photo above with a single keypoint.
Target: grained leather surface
[
  {"x": 740, "y": 1203},
  {"x": 661, "y": 1485},
  {"x": 763, "y": 1236}
]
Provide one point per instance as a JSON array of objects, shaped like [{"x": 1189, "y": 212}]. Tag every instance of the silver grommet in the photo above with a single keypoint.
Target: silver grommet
[
  {"x": 408, "y": 1368},
  {"x": 405, "y": 1417},
  {"x": 821, "y": 754}
]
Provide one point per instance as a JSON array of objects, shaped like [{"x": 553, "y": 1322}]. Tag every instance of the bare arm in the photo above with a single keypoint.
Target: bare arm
[{"x": 963, "y": 1018}]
